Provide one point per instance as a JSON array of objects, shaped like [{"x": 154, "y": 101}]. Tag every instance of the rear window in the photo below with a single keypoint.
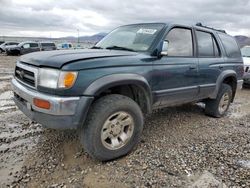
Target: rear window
[
  {"x": 230, "y": 45},
  {"x": 48, "y": 44}
]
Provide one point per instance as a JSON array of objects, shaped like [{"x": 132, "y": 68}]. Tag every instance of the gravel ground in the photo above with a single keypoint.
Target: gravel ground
[{"x": 180, "y": 147}]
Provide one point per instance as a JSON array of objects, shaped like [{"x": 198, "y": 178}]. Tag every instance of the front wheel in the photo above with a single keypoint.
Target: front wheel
[
  {"x": 113, "y": 127},
  {"x": 219, "y": 106}
]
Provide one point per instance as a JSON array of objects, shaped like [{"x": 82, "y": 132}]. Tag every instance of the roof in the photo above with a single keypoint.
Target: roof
[{"x": 188, "y": 24}]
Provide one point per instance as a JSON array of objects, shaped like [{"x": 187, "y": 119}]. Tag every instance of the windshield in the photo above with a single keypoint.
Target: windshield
[
  {"x": 20, "y": 44},
  {"x": 245, "y": 51},
  {"x": 131, "y": 37}
]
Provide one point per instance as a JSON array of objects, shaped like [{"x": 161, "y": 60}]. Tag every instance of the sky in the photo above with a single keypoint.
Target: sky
[{"x": 59, "y": 18}]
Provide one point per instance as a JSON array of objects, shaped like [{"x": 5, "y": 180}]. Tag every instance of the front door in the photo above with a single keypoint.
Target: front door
[{"x": 174, "y": 75}]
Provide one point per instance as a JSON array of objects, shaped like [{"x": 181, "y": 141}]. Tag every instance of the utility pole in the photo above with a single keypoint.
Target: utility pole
[{"x": 78, "y": 37}]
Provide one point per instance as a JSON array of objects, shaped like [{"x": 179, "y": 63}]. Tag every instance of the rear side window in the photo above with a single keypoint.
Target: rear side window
[
  {"x": 207, "y": 46},
  {"x": 180, "y": 42},
  {"x": 33, "y": 45},
  {"x": 48, "y": 44},
  {"x": 230, "y": 45}
]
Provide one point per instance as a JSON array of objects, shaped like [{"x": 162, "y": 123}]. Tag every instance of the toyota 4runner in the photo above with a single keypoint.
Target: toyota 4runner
[{"x": 105, "y": 91}]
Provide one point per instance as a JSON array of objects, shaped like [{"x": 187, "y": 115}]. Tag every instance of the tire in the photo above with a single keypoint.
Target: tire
[
  {"x": 104, "y": 112},
  {"x": 213, "y": 107}
]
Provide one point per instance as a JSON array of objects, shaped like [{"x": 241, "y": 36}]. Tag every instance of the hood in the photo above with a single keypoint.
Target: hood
[
  {"x": 59, "y": 58},
  {"x": 246, "y": 61},
  {"x": 10, "y": 46}
]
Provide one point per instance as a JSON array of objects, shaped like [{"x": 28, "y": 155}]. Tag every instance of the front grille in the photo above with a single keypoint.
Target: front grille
[
  {"x": 25, "y": 76},
  {"x": 246, "y": 69}
]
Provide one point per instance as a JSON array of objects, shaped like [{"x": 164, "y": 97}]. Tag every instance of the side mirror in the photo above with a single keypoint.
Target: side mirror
[{"x": 164, "y": 50}]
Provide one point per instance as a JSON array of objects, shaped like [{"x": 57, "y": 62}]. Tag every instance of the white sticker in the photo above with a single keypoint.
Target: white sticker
[{"x": 147, "y": 31}]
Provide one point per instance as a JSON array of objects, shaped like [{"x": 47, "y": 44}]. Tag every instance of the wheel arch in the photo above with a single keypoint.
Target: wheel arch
[
  {"x": 228, "y": 77},
  {"x": 133, "y": 81}
]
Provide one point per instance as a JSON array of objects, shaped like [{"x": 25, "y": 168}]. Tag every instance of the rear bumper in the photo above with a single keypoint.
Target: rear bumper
[{"x": 65, "y": 112}]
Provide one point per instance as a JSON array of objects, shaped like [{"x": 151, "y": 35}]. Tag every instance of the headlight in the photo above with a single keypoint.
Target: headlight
[{"x": 52, "y": 78}]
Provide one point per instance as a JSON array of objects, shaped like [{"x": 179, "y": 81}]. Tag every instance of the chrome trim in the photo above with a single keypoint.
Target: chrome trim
[
  {"x": 207, "y": 85},
  {"x": 179, "y": 89},
  {"x": 28, "y": 68},
  {"x": 239, "y": 84},
  {"x": 59, "y": 105}
]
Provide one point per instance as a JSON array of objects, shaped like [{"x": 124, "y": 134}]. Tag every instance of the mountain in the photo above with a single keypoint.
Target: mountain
[
  {"x": 89, "y": 39},
  {"x": 243, "y": 40}
]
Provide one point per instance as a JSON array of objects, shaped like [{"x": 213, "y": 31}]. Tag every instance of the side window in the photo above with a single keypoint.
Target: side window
[
  {"x": 180, "y": 42},
  {"x": 207, "y": 46},
  {"x": 230, "y": 45},
  {"x": 33, "y": 45},
  {"x": 27, "y": 45}
]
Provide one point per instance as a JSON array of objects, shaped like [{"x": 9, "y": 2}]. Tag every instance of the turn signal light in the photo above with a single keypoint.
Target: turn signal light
[
  {"x": 69, "y": 79},
  {"x": 40, "y": 103}
]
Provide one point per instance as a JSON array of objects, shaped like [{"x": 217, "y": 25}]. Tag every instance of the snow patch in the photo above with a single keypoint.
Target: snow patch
[{"x": 6, "y": 95}]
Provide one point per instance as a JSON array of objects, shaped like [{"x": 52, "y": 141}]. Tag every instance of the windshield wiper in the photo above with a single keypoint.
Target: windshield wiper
[
  {"x": 119, "y": 48},
  {"x": 96, "y": 47}
]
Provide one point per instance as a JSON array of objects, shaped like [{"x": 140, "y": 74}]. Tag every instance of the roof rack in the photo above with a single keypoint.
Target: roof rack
[{"x": 200, "y": 25}]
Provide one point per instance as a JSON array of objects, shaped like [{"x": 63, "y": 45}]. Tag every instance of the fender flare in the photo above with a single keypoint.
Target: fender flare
[
  {"x": 105, "y": 82},
  {"x": 220, "y": 79}
]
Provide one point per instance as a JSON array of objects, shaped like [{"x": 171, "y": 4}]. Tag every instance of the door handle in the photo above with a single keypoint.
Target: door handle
[
  {"x": 192, "y": 67},
  {"x": 220, "y": 67}
]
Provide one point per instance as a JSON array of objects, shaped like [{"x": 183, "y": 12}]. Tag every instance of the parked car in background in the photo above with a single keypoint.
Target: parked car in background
[
  {"x": 28, "y": 47},
  {"x": 1, "y": 42},
  {"x": 5, "y": 45},
  {"x": 64, "y": 46},
  {"x": 23, "y": 48},
  {"x": 47, "y": 46},
  {"x": 245, "y": 51}
]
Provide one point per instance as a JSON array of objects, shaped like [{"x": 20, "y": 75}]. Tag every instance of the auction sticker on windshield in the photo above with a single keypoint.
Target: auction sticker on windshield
[{"x": 146, "y": 31}]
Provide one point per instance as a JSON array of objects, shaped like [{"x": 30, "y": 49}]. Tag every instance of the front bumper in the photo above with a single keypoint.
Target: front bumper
[{"x": 65, "y": 112}]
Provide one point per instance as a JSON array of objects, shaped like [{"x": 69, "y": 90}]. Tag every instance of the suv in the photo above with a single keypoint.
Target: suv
[
  {"x": 65, "y": 46},
  {"x": 5, "y": 45},
  {"x": 245, "y": 51},
  {"x": 105, "y": 91},
  {"x": 23, "y": 48},
  {"x": 28, "y": 47}
]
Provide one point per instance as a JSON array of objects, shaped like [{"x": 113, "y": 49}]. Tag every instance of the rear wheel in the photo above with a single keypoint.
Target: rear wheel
[
  {"x": 219, "y": 106},
  {"x": 113, "y": 127}
]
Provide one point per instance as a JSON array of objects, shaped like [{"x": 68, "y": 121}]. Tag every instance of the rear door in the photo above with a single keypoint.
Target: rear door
[
  {"x": 210, "y": 62},
  {"x": 34, "y": 47},
  {"x": 175, "y": 75}
]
